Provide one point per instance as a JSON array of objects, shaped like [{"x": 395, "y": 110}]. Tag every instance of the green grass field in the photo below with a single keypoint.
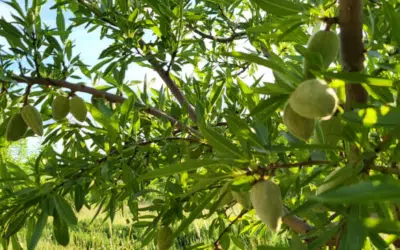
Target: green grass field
[{"x": 123, "y": 235}]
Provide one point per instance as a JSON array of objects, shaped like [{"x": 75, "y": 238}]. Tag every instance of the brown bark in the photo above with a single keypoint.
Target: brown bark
[{"x": 352, "y": 49}]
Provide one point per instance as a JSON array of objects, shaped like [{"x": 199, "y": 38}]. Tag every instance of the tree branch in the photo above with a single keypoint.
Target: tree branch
[
  {"x": 352, "y": 49},
  {"x": 108, "y": 96},
  {"x": 230, "y": 39},
  {"x": 216, "y": 242},
  {"x": 171, "y": 85}
]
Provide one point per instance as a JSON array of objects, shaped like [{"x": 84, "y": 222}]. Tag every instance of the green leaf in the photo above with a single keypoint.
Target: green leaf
[
  {"x": 54, "y": 43},
  {"x": 15, "y": 224},
  {"x": 323, "y": 237},
  {"x": 374, "y": 117},
  {"x": 160, "y": 8},
  {"x": 196, "y": 212},
  {"x": 79, "y": 197},
  {"x": 296, "y": 243},
  {"x": 279, "y": 7},
  {"x": 60, "y": 229},
  {"x": 379, "y": 189},
  {"x": 355, "y": 77},
  {"x": 64, "y": 210},
  {"x": 270, "y": 105},
  {"x": 378, "y": 225},
  {"x": 377, "y": 240},
  {"x": 60, "y": 20},
  {"x": 273, "y": 89},
  {"x": 186, "y": 166},
  {"x": 240, "y": 128},
  {"x": 37, "y": 233},
  {"x": 101, "y": 64},
  {"x": 264, "y": 247},
  {"x": 221, "y": 144},
  {"x": 355, "y": 234},
  {"x": 278, "y": 23},
  {"x": 256, "y": 59}
]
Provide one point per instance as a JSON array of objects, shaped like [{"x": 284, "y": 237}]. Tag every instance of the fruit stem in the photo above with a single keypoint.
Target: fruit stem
[
  {"x": 329, "y": 22},
  {"x": 27, "y": 92}
]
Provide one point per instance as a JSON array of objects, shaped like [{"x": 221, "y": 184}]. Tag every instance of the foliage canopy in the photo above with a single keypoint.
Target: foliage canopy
[{"x": 214, "y": 126}]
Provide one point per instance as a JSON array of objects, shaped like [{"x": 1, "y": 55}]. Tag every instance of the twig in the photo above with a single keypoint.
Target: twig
[
  {"x": 329, "y": 21},
  {"x": 170, "y": 139},
  {"x": 173, "y": 55},
  {"x": 219, "y": 124},
  {"x": 386, "y": 170},
  {"x": 216, "y": 242},
  {"x": 27, "y": 92},
  {"x": 171, "y": 85},
  {"x": 230, "y": 39},
  {"x": 244, "y": 68},
  {"x": 299, "y": 164},
  {"x": 226, "y": 18}
]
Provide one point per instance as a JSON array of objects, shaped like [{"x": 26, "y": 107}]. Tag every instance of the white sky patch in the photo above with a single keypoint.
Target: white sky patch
[{"x": 6, "y": 11}]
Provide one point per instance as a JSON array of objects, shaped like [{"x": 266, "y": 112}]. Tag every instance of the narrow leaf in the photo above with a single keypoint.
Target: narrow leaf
[
  {"x": 221, "y": 144},
  {"x": 196, "y": 212},
  {"x": 64, "y": 210}
]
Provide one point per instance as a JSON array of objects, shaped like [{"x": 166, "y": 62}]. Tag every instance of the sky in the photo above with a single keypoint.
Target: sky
[{"x": 89, "y": 47}]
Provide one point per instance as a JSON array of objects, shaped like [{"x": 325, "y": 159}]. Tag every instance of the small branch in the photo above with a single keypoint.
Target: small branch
[
  {"x": 329, "y": 21},
  {"x": 108, "y": 96},
  {"x": 230, "y": 39},
  {"x": 244, "y": 68},
  {"x": 226, "y": 18},
  {"x": 27, "y": 92},
  {"x": 171, "y": 85},
  {"x": 216, "y": 242},
  {"x": 173, "y": 55},
  {"x": 170, "y": 139},
  {"x": 37, "y": 65},
  {"x": 386, "y": 170},
  {"x": 299, "y": 164},
  {"x": 219, "y": 124}
]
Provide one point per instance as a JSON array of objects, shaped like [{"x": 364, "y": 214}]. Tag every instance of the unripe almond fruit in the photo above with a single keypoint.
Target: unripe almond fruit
[
  {"x": 325, "y": 43},
  {"x": 60, "y": 107},
  {"x": 314, "y": 99},
  {"x": 164, "y": 238},
  {"x": 266, "y": 198},
  {"x": 298, "y": 125},
  {"x": 33, "y": 119},
  {"x": 78, "y": 109},
  {"x": 16, "y": 128},
  {"x": 243, "y": 198}
]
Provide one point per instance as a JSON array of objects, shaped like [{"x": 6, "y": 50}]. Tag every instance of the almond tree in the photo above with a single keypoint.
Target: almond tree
[{"x": 196, "y": 146}]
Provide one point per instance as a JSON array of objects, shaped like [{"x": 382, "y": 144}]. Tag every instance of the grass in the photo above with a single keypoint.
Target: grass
[{"x": 122, "y": 235}]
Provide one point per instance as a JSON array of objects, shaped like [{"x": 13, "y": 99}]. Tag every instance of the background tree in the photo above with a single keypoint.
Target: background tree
[{"x": 214, "y": 126}]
